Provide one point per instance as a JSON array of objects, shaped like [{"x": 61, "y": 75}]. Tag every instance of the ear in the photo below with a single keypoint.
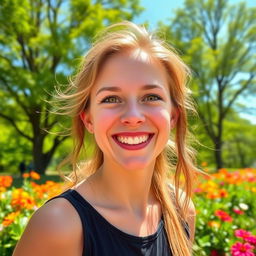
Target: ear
[
  {"x": 85, "y": 117},
  {"x": 174, "y": 117}
]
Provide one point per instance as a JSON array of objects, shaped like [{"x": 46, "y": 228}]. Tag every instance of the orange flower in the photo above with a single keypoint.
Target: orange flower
[
  {"x": 9, "y": 219},
  {"x": 47, "y": 190},
  {"x": 25, "y": 175},
  {"x": 34, "y": 175},
  {"x": 223, "y": 193},
  {"x": 213, "y": 195},
  {"x": 6, "y": 181},
  {"x": 204, "y": 164},
  {"x": 21, "y": 199}
]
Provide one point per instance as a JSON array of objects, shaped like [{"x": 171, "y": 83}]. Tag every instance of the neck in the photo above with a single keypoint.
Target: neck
[{"x": 128, "y": 190}]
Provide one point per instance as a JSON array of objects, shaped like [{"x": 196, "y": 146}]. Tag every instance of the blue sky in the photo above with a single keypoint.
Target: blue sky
[
  {"x": 156, "y": 10},
  {"x": 162, "y": 10}
]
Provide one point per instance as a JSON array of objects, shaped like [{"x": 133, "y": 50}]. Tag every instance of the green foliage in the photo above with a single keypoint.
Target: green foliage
[
  {"x": 217, "y": 41},
  {"x": 40, "y": 44},
  {"x": 13, "y": 151}
]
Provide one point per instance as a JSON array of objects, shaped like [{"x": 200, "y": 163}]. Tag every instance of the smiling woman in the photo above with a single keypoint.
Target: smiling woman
[{"x": 130, "y": 93}]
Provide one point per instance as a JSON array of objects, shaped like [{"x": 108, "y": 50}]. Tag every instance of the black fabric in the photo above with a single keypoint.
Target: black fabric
[{"x": 101, "y": 238}]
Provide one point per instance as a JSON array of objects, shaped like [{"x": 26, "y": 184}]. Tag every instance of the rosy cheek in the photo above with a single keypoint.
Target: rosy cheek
[
  {"x": 162, "y": 115},
  {"x": 105, "y": 118}
]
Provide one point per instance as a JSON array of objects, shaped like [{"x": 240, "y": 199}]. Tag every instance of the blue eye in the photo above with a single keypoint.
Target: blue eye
[
  {"x": 111, "y": 99},
  {"x": 152, "y": 97}
]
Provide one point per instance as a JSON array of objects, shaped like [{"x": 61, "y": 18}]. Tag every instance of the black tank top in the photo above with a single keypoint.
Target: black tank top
[{"x": 101, "y": 238}]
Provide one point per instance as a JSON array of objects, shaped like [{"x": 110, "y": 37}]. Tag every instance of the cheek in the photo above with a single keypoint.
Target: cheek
[
  {"x": 162, "y": 120},
  {"x": 162, "y": 117},
  {"x": 104, "y": 120}
]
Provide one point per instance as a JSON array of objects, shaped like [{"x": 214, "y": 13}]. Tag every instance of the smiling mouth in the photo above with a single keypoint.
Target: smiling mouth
[{"x": 133, "y": 142}]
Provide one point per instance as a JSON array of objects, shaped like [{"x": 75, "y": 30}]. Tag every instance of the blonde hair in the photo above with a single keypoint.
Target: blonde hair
[{"x": 177, "y": 156}]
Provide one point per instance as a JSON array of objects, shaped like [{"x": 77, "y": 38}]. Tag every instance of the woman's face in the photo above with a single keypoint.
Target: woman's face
[{"x": 131, "y": 113}]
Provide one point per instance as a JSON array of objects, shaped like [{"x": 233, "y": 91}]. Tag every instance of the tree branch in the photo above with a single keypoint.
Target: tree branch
[
  {"x": 56, "y": 143},
  {"x": 13, "y": 123},
  {"x": 238, "y": 92},
  {"x": 15, "y": 95}
]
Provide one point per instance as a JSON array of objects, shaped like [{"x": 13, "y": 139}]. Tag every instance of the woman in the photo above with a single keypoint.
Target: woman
[{"x": 129, "y": 94}]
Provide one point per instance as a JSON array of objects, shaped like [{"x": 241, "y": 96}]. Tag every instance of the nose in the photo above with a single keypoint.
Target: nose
[{"x": 133, "y": 115}]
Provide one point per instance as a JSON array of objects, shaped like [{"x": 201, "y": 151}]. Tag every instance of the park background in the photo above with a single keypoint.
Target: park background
[{"x": 41, "y": 44}]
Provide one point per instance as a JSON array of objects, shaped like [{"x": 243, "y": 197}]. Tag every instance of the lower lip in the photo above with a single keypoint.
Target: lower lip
[{"x": 134, "y": 147}]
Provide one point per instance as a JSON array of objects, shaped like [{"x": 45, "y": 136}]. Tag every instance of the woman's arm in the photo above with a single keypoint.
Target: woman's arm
[{"x": 54, "y": 229}]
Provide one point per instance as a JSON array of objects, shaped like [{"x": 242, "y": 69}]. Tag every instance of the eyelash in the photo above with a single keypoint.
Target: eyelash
[{"x": 116, "y": 97}]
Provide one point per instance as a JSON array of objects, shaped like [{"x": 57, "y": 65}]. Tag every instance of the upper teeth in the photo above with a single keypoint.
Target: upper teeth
[{"x": 132, "y": 140}]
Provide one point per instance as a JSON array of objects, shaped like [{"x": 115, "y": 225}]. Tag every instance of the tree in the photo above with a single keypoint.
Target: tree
[
  {"x": 9, "y": 162},
  {"x": 218, "y": 42},
  {"x": 239, "y": 142},
  {"x": 40, "y": 41}
]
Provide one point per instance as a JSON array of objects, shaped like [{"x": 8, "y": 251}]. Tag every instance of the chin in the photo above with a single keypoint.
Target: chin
[{"x": 134, "y": 165}]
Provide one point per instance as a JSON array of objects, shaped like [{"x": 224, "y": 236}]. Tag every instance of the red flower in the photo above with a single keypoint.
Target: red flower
[
  {"x": 214, "y": 253},
  {"x": 239, "y": 249},
  {"x": 224, "y": 216}
]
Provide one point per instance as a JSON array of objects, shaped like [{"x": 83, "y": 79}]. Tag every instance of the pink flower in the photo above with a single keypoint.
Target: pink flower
[
  {"x": 239, "y": 249},
  {"x": 198, "y": 190},
  {"x": 242, "y": 233},
  {"x": 238, "y": 211},
  {"x": 224, "y": 216},
  {"x": 251, "y": 239}
]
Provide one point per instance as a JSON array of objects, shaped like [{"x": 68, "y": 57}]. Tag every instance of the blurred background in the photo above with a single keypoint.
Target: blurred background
[{"x": 41, "y": 44}]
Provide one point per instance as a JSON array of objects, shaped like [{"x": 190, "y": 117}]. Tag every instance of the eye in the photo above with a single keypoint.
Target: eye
[
  {"x": 152, "y": 97},
  {"x": 111, "y": 99}
]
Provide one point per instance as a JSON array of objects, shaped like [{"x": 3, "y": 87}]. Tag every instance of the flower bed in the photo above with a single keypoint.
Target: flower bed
[
  {"x": 18, "y": 204},
  {"x": 226, "y": 214},
  {"x": 225, "y": 203}
]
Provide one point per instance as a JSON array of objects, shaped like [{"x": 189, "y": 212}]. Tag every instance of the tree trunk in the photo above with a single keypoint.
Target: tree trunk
[
  {"x": 242, "y": 162},
  {"x": 38, "y": 156},
  {"x": 42, "y": 159},
  {"x": 218, "y": 153}
]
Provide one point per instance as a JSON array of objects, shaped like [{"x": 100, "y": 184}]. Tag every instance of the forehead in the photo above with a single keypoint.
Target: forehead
[{"x": 131, "y": 70}]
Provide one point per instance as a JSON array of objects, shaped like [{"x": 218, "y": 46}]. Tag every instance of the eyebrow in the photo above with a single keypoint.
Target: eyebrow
[{"x": 117, "y": 89}]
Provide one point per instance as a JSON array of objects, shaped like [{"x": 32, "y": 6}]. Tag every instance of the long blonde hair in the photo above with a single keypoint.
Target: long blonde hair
[{"x": 177, "y": 159}]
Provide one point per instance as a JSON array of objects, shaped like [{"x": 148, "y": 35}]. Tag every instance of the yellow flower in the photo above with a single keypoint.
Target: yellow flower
[{"x": 214, "y": 224}]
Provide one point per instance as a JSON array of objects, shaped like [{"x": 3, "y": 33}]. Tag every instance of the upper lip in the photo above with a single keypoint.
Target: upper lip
[{"x": 132, "y": 133}]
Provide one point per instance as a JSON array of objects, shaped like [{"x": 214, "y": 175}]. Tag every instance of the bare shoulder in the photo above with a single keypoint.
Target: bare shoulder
[{"x": 54, "y": 229}]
